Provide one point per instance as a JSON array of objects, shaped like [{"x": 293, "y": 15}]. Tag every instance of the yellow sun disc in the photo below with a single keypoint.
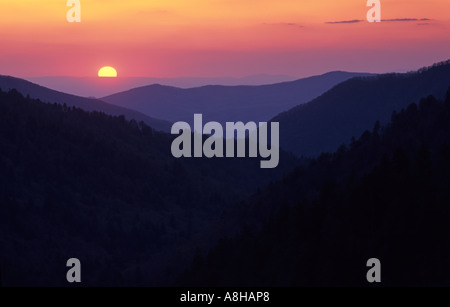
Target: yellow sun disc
[{"x": 107, "y": 71}]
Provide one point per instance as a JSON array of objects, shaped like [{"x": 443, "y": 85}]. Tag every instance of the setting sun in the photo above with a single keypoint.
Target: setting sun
[{"x": 107, "y": 71}]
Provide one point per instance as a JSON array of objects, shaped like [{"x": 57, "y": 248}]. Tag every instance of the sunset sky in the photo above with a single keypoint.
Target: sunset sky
[{"x": 210, "y": 38}]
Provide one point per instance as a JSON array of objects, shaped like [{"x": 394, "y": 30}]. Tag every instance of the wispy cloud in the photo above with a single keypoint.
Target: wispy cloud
[
  {"x": 286, "y": 24},
  {"x": 345, "y": 21},
  {"x": 407, "y": 19},
  {"x": 385, "y": 20}
]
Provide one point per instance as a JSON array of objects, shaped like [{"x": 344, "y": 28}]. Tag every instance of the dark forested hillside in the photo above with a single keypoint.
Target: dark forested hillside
[
  {"x": 35, "y": 91},
  {"x": 386, "y": 196},
  {"x": 346, "y": 110},
  {"x": 107, "y": 191}
]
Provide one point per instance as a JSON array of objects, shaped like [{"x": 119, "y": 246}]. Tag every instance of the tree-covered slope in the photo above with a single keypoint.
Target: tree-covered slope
[
  {"x": 346, "y": 110},
  {"x": 387, "y": 196},
  {"x": 107, "y": 191}
]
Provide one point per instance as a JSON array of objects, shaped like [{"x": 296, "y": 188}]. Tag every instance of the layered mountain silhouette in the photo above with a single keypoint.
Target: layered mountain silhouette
[
  {"x": 99, "y": 87},
  {"x": 226, "y": 103},
  {"x": 108, "y": 190},
  {"x": 349, "y": 108},
  {"x": 88, "y": 104}
]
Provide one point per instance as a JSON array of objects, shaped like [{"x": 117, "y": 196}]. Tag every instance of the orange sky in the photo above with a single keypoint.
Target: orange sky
[{"x": 220, "y": 37}]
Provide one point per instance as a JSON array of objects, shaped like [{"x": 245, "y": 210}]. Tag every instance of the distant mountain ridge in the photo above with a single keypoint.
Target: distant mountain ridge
[
  {"x": 96, "y": 87},
  {"x": 351, "y": 107},
  {"x": 88, "y": 104},
  {"x": 226, "y": 103}
]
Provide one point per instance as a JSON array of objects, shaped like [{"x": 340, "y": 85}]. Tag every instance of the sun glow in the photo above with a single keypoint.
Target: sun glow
[{"x": 107, "y": 71}]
